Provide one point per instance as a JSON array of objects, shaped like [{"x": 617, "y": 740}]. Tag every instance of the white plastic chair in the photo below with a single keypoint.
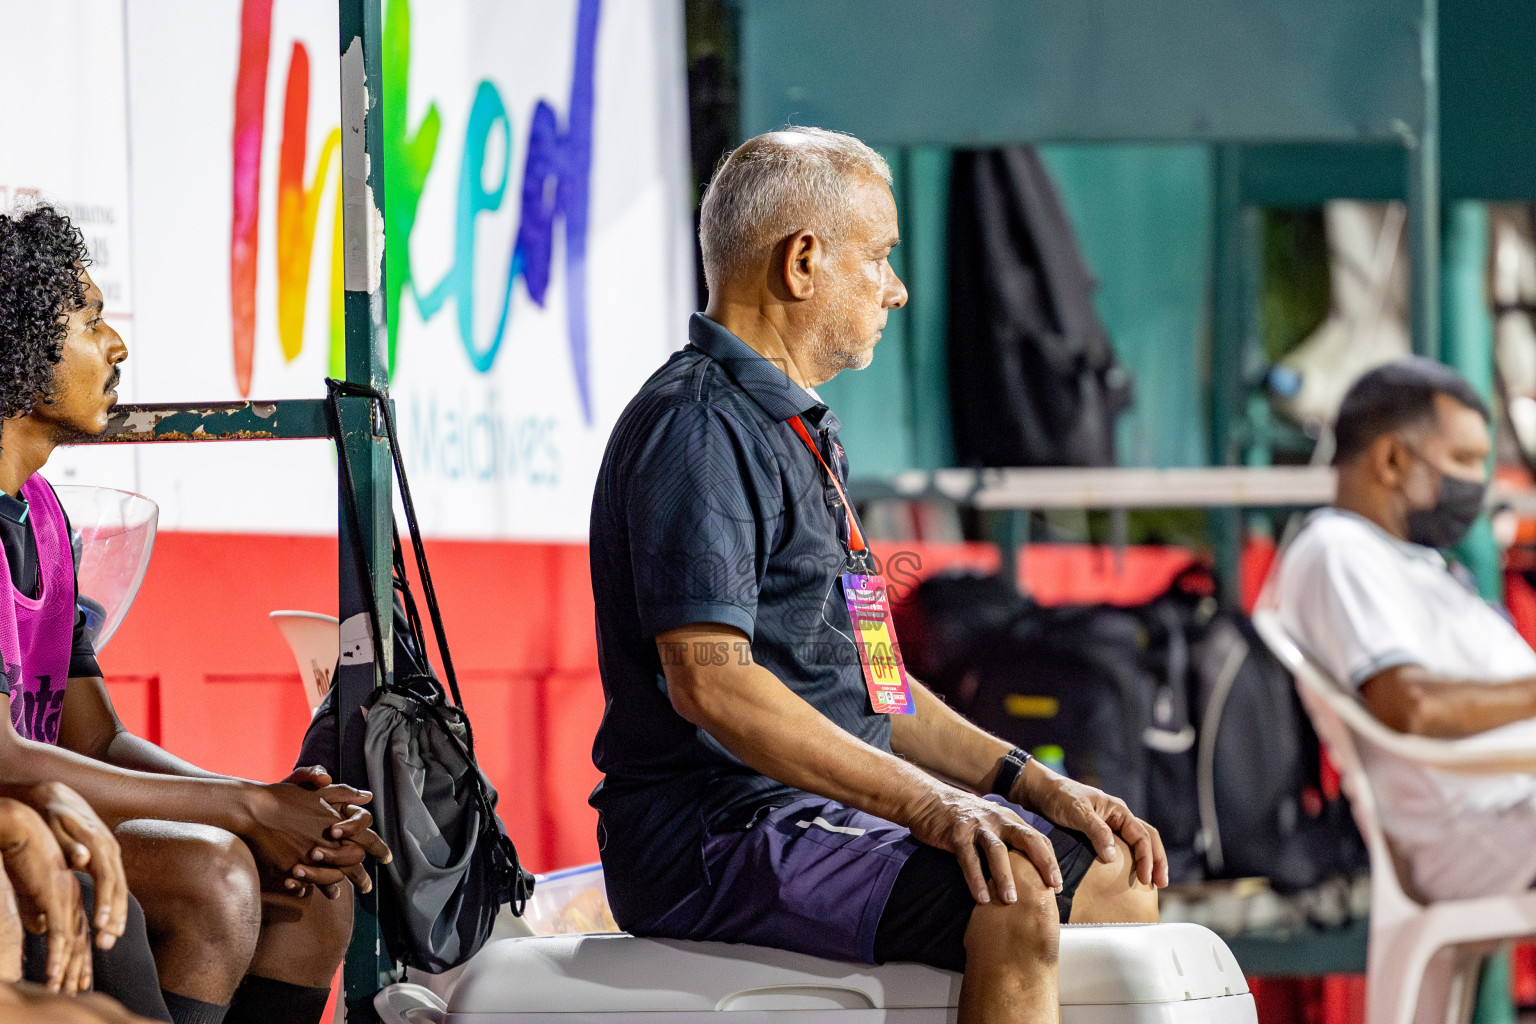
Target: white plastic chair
[
  {"x": 1423, "y": 956},
  {"x": 315, "y": 640}
]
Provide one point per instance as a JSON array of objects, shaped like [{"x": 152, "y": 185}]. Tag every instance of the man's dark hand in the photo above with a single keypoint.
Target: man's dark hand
[
  {"x": 310, "y": 777},
  {"x": 290, "y": 823},
  {"x": 348, "y": 844},
  {"x": 88, "y": 845},
  {"x": 12, "y": 936},
  {"x": 1097, "y": 815},
  {"x": 299, "y": 880},
  {"x": 47, "y": 895},
  {"x": 972, "y": 828}
]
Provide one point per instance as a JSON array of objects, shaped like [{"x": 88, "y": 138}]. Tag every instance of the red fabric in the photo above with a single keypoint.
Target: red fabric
[
  {"x": 1086, "y": 574},
  {"x": 1520, "y": 599},
  {"x": 1257, "y": 559},
  {"x": 1523, "y": 976},
  {"x": 1331, "y": 999}
]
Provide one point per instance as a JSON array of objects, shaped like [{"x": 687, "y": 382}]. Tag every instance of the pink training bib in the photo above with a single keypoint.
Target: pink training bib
[{"x": 37, "y": 633}]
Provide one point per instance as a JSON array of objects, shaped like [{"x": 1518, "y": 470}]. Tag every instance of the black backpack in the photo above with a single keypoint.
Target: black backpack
[
  {"x": 1174, "y": 706},
  {"x": 1258, "y": 764}
]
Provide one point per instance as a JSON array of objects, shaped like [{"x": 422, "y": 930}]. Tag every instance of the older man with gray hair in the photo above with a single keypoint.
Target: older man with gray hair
[{"x": 769, "y": 778}]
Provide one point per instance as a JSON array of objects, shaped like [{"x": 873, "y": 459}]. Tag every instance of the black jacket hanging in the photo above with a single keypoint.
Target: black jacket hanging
[{"x": 1033, "y": 380}]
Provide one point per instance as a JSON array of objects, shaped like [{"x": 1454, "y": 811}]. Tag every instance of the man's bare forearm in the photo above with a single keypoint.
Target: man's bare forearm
[
  {"x": 771, "y": 730},
  {"x": 90, "y": 727},
  {"x": 119, "y": 794},
  {"x": 138, "y": 754},
  {"x": 939, "y": 739},
  {"x": 1411, "y": 699}
]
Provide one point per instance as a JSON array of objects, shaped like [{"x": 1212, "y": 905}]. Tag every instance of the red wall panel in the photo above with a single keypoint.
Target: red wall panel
[{"x": 198, "y": 662}]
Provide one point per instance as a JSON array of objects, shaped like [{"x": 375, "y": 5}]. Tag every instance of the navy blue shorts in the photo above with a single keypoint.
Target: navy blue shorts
[{"x": 816, "y": 877}]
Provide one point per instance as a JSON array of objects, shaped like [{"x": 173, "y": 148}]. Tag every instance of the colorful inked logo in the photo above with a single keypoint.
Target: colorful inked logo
[{"x": 555, "y": 187}]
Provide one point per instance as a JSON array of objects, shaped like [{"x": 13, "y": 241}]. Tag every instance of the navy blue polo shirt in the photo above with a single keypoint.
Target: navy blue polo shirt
[{"x": 710, "y": 508}]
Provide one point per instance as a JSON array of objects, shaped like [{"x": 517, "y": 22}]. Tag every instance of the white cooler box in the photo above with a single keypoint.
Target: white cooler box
[{"x": 1110, "y": 974}]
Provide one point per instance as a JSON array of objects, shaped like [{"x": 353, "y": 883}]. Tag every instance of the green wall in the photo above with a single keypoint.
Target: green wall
[{"x": 1143, "y": 218}]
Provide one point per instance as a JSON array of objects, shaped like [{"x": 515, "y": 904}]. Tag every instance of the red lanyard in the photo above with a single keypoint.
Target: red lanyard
[{"x": 856, "y": 543}]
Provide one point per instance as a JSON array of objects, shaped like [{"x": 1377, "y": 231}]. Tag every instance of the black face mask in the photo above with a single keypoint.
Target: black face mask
[{"x": 1460, "y": 503}]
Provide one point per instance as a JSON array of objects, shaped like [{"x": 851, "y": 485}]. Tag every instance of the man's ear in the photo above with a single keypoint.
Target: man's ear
[
  {"x": 1390, "y": 460},
  {"x": 803, "y": 254}
]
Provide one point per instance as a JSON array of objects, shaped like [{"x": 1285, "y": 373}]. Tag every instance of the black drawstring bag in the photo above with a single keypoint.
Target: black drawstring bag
[{"x": 454, "y": 866}]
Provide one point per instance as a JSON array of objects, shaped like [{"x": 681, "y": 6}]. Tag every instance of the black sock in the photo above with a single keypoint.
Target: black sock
[
  {"x": 126, "y": 972},
  {"x": 263, "y": 1000},
  {"x": 186, "y": 1010}
]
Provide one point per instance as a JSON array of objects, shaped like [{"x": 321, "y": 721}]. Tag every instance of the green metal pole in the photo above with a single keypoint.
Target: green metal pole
[
  {"x": 926, "y": 230},
  {"x": 1228, "y": 336},
  {"x": 1424, "y": 193},
  {"x": 1467, "y": 344},
  {"x": 368, "y": 965},
  {"x": 1495, "y": 1002}
]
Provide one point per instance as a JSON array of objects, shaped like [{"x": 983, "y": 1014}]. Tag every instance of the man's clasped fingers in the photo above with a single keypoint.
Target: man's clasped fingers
[
  {"x": 333, "y": 862},
  {"x": 344, "y": 863},
  {"x": 339, "y": 795},
  {"x": 356, "y": 828}
]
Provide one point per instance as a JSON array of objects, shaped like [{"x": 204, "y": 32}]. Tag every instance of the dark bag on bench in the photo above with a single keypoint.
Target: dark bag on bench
[
  {"x": 1259, "y": 791},
  {"x": 1174, "y": 706}
]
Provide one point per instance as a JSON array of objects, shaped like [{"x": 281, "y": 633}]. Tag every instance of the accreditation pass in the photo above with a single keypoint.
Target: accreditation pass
[{"x": 875, "y": 638}]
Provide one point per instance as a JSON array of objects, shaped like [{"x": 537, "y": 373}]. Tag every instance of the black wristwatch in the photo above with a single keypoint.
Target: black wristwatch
[{"x": 1009, "y": 770}]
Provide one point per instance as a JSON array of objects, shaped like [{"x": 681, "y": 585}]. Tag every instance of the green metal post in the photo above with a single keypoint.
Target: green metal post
[
  {"x": 1495, "y": 1003},
  {"x": 1467, "y": 344},
  {"x": 925, "y": 232},
  {"x": 1010, "y": 532},
  {"x": 368, "y": 966},
  {"x": 1228, "y": 337},
  {"x": 1424, "y": 192}
]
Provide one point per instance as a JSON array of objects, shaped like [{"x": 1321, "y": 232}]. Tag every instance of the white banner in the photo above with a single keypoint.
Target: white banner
[
  {"x": 64, "y": 139},
  {"x": 539, "y": 245}
]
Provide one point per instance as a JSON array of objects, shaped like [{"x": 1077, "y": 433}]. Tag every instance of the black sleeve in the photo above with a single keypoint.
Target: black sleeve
[{"x": 82, "y": 652}]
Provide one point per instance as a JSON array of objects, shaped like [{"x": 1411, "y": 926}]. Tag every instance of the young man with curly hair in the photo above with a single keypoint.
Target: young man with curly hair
[{"x": 244, "y": 886}]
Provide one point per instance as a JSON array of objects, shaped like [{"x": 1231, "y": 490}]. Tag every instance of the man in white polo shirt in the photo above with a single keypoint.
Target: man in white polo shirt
[{"x": 1366, "y": 593}]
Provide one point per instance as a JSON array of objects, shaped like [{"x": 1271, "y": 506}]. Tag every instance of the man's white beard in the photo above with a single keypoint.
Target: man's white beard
[{"x": 834, "y": 349}]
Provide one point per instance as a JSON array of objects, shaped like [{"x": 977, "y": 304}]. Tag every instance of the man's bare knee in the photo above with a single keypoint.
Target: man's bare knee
[
  {"x": 1110, "y": 893},
  {"x": 194, "y": 880},
  {"x": 1027, "y": 931},
  {"x": 303, "y": 939}
]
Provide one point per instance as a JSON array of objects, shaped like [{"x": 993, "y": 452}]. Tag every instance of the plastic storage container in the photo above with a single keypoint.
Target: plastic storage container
[
  {"x": 1119, "y": 974},
  {"x": 570, "y": 902}
]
